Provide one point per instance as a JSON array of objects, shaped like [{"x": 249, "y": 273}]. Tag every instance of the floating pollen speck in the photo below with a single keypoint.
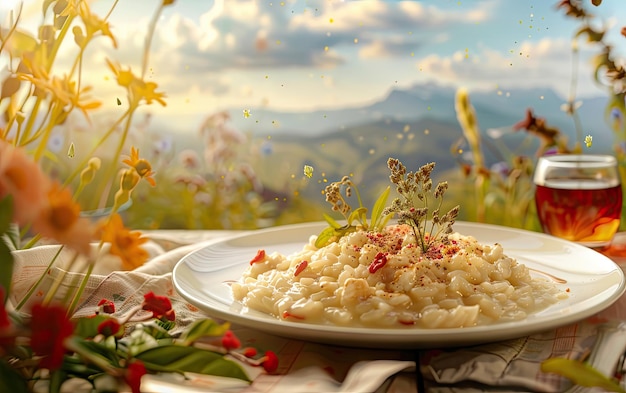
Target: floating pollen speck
[
  {"x": 308, "y": 171},
  {"x": 71, "y": 150},
  {"x": 588, "y": 140},
  {"x": 246, "y": 113}
]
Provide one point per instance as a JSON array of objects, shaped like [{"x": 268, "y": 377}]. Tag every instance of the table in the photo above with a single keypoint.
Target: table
[{"x": 512, "y": 365}]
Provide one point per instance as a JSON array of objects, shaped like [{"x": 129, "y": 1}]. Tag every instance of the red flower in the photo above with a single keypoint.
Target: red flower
[
  {"x": 159, "y": 305},
  {"x": 106, "y": 306},
  {"x": 134, "y": 372},
  {"x": 230, "y": 341},
  {"x": 50, "y": 326},
  {"x": 4, "y": 316},
  {"x": 110, "y": 327},
  {"x": 270, "y": 362}
]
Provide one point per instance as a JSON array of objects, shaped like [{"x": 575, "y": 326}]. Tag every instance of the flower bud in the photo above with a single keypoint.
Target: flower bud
[
  {"x": 129, "y": 180},
  {"x": 88, "y": 174}
]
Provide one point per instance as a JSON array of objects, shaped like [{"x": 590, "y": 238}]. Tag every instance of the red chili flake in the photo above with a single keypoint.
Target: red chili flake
[
  {"x": 301, "y": 266},
  {"x": 259, "y": 257},
  {"x": 287, "y": 314},
  {"x": 379, "y": 261},
  {"x": 249, "y": 352},
  {"x": 408, "y": 323}
]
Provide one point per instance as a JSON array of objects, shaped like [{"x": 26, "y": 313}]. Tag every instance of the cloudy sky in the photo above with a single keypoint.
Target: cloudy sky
[{"x": 314, "y": 54}]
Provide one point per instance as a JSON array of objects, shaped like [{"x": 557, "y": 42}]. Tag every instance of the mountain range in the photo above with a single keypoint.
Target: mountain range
[
  {"x": 417, "y": 125},
  {"x": 495, "y": 108}
]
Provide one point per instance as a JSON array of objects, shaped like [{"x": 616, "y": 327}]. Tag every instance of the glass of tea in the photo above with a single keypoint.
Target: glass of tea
[{"x": 579, "y": 197}]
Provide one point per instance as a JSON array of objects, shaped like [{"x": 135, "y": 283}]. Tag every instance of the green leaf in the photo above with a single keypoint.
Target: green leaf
[
  {"x": 6, "y": 267},
  {"x": 98, "y": 352},
  {"x": 203, "y": 328},
  {"x": 580, "y": 373},
  {"x": 56, "y": 380},
  {"x": 88, "y": 326},
  {"x": 75, "y": 365},
  {"x": 6, "y": 213},
  {"x": 178, "y": 358},
  {"x": 159, "y": 329},
  {"x": 10, "y": 381},
  {"x": 378, "y": 208}
]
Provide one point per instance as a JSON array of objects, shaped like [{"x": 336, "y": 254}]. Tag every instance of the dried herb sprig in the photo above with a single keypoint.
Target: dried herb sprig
[
  {"x": 412, "y": 207},
  {"x": 355, "y": 219}
]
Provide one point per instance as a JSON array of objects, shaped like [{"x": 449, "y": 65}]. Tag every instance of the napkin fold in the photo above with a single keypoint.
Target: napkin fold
[{"x": 508, "y": 366}]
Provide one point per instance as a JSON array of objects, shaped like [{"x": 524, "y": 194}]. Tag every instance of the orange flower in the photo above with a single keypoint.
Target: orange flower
[
  {"x": 22, "y": 178},
  {"x": 124, "y": 243},
  {"x": 141, "y": 165},
  {"x": 61, "y": 220}
]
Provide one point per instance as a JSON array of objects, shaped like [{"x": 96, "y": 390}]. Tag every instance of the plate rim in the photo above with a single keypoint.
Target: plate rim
[{"x": 414, "y": 337}]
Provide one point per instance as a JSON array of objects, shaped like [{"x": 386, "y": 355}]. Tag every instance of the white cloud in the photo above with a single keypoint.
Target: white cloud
[
  {"x": 248, "y": 34},
  {"x": 546, "y": 63}
]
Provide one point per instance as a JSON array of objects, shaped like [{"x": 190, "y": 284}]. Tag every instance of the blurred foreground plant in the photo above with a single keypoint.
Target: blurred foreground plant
[
  {"x": 38, "y": 96},
  {"x": 42, "y": 343}
]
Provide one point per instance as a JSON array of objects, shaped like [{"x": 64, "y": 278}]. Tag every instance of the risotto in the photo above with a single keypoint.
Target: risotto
[{"x": 383, "y": 279}]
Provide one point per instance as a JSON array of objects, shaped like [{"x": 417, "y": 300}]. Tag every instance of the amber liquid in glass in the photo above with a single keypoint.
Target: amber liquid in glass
[{"x": 584, "y": 211}]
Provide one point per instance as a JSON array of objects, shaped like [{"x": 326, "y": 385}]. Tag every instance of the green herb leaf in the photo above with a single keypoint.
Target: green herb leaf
[
  {"x": 360, "y": 215},
  {"x": 377, "y": 210},
  {"x": 325, "y": 237},
  {"x": 178, "y": 358},
  {"x": 580, "y": 373}
]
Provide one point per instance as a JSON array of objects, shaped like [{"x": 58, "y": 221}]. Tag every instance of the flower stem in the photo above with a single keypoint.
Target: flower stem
[
  {"x": 36, "y": 285},
  {"x": 81, "y": 288}
]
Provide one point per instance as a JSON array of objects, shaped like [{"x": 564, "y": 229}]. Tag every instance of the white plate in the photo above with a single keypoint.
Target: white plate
[{"x": 593, "y": 280}]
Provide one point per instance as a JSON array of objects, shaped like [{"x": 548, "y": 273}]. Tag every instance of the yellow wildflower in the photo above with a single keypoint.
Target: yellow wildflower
[
  {"x": 138, "y": 89},
  {"x": 93, "y": 23},
  {"x": 141, "y": 165}
]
